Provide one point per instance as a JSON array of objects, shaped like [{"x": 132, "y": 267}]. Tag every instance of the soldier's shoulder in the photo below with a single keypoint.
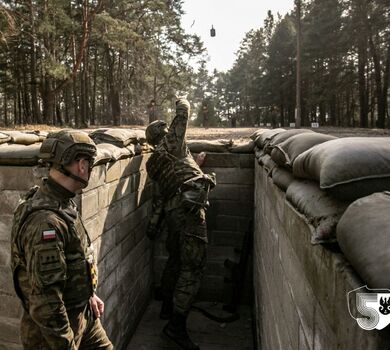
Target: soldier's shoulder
[{"x": 45, "y": 216}]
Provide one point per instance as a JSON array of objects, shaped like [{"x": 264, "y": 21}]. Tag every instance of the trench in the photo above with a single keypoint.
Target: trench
[
  {"x": 115, "y": 208},
  {"x": 293, "y": 295}
]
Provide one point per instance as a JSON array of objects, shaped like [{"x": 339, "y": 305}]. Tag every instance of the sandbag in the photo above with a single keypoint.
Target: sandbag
[
  {"x": 349, "y": 168},
  {"x": 319, "y": 209},
  {"x": 258, "y": 153},
  {"x": 217, "y": 146},
  {"x": 242, "y": 147},
  {"x": 23, "y": 138},
  {"x": 267, "y": 163},
  {"x": 107, "y": 149},
  {"x": 363, "y": 233},
  {"x": 283, "y": 136},
  {"x": 282, "y": 178},
  {"x": 40, "y": 133},
  {"x": 15, "y": 154},
  {"x": 4, "y": 138},
  {"x": 285, "y": 152},
  {"x": 257, "y": 133},
  {"x": 262, "y": 140},
  {"x": 118, "y": 137}
]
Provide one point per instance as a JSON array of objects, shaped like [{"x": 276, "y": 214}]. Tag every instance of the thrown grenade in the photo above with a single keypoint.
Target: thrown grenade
[{"x": 212, "y": 31}]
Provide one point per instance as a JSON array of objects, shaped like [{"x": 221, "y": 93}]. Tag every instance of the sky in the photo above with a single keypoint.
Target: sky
[{"x": 231, "y": 20}]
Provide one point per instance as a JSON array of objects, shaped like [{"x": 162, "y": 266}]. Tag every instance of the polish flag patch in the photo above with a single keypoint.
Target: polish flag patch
[{"x": 48, "y": 234}]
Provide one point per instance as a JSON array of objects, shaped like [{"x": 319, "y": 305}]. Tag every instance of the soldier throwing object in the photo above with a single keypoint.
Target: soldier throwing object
[
  {"x": 53, "y": 264},
  {"x": 183, "y": 192}
]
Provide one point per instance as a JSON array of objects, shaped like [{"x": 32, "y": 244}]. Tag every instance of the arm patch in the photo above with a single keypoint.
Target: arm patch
[{"x": 49, "y": 265}]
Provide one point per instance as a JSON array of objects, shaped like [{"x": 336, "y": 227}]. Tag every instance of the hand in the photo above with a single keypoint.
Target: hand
[
  {"x": 182, "y": 106},
  {"x": 200, "y": 158},
  {"x": 97, "y": 305}
]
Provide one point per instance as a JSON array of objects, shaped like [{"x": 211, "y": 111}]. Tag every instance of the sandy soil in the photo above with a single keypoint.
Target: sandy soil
[{"x": 240, "y": 133}]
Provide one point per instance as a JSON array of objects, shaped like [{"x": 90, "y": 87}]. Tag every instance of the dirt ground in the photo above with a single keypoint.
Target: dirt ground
[{"x": 197, "y": 133}]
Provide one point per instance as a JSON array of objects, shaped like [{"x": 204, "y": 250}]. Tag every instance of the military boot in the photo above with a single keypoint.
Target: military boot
[
  {"x": 166, "y": 309},
  {"x": 176, "y": 330}
]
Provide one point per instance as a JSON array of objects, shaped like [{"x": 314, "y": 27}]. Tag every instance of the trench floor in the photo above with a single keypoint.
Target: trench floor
[{"x": 208, "y": 334}]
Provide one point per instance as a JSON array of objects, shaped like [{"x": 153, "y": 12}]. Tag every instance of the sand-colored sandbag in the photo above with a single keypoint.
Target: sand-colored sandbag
[
  {"x": 318, "y": 208},
  {"x": 217, "y": 146},
  {"x": 264, "y": 138},
  {"x": 267, "y": 163},
  {"x": 363, "y": 233},
  {"x": 245, "y": 147},
  {"x": 259, "y": 152},
  {"x": 23, "y": 138},
  {"x": 118, "y": 137},
  {"x": 348, "y": 168},
  {"x": 257, "y": 133},
  {"x": 282, "y": 178},
  {"x": 4, "y": 138},
  {"x": 283, "y": 136},
  {"x": 42, "y": 134},
  {"x": 285, "y": 152},
  {"x": 16, "y": 154},
  {"x": 105, "y": 150}
]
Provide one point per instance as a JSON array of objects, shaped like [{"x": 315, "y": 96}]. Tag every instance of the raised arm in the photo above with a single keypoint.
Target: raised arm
[{"x": 175, "y": 139}]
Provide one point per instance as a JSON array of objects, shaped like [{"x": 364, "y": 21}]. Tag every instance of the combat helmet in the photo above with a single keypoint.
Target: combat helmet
[
  {"x": 155, "y": 131},
  {"x": 60, "y": 148}
]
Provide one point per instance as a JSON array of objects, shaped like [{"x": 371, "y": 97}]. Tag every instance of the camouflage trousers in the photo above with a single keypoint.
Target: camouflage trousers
[
  {"x": 88, "y": 332},
  {"x": 186, "y": 244}
]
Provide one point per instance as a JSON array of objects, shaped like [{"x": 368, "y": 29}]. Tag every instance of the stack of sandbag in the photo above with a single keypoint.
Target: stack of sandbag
[
  {"x": 284, "y": 153},
  {"x": 242, "y": 146},
  {"x": 118, "y": 137},
  {"x": 215, "y": 146},
  {"x": 23, "y": 138},
  {"x": 363, "y": 234},
  {"x": 19, "y": 154},
  {"x": 280, "y": 137},
  {"x": 107, "y": 152},
  {"x": 20, "y": 148},
  {"x": 265, "y": 137},
  {"x": 257, "y": 133},
  {"x": 321, "y": 211},
  {"x": 347, "y": 168},
  {"x": 281, "y": 177}
]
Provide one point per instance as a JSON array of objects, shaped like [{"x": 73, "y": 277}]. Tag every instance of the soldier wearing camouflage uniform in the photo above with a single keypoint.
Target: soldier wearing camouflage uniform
[
  {"x": 53, "y": 263},
  {"x": 183, "y": 190}
]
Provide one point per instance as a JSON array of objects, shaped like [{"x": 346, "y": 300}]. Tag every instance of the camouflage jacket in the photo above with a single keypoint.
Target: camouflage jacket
[
  {"x": 171, "y": 163},
  {"x": 52, "y": 261}
]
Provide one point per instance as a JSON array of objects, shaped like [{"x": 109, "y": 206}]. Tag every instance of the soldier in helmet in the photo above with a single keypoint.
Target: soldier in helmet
[
  {"x": 54, "y": 267},
  {"x": 183, "y": 191}
]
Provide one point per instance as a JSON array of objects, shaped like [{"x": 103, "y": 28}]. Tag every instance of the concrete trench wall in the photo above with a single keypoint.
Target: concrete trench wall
[
  {"x": 301, "y": 289},
  {"x": 115, "y": 208}
]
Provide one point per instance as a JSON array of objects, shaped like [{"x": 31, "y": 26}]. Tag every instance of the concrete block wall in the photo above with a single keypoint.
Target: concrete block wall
[
  {"x": 115, "y": 208},
  {"x": 231, "y": 209},
  {"x": 300, "y": 289}
]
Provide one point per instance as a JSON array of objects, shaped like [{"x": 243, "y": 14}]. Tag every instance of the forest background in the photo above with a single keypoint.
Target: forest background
[{"x": 84, "y": 63}]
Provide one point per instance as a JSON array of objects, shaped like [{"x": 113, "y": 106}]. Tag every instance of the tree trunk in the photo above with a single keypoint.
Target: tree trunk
[
  {"x": 36, "y": 113},
  {"x": 48, "y": 101}
]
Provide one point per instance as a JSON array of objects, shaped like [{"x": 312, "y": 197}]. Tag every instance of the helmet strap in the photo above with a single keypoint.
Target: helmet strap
[{"x": 74, "y": 177}]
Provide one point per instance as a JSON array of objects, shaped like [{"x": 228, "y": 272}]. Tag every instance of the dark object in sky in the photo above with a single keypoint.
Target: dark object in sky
[{"x": 212, "y": 31}]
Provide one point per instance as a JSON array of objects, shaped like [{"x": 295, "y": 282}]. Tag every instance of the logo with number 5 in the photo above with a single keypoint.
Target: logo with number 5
[{"x": 369, "y": 307}]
